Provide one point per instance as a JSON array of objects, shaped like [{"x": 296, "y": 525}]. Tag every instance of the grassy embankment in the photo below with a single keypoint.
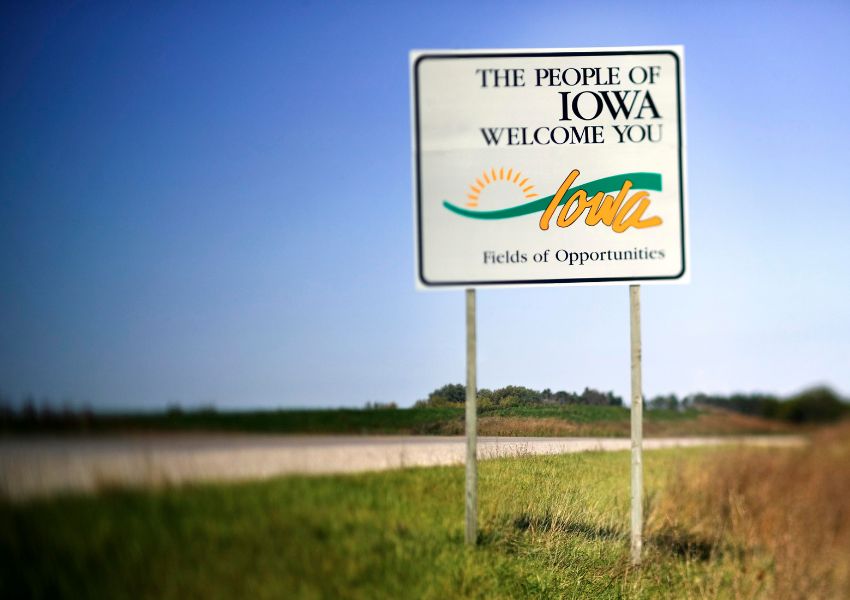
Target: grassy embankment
[
  {"x": 721, "y": 523},
  {"x": 568, "y": 420}
]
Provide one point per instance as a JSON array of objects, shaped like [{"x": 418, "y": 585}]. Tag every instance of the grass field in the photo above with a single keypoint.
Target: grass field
[
  {"x": 551, "y": 526},
  {"x": 567, "y": 420}
]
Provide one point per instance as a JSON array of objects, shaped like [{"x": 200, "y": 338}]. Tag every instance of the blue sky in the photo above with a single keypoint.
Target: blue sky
[{"x": 212, "y": 205}]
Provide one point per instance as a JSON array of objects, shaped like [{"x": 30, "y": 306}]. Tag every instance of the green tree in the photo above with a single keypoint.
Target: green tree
[
  {"x": 451, "y": 394},
  {"x": 816, "y": 405}
]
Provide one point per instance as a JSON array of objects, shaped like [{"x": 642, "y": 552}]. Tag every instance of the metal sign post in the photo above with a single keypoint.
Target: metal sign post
[
  {"x": 471, "y": 424},
  {"x": 637, "y": 427},
  {"x": 511, "y": 147}
]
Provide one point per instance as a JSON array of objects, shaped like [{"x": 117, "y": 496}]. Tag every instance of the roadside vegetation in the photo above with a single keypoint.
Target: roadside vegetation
[
  {"x": 721, "y": 523},
  {"x": 814, "y": 405},
  {"x": 781, "y": 516},
  {"x": 509, "y": 411}
]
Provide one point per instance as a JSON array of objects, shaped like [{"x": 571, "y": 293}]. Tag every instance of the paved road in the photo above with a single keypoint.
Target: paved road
[{"x": 31, "y": 466}]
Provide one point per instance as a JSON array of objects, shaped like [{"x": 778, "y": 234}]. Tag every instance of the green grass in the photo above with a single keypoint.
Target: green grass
[
  {"x": 377, "y": 421},
  {"x": 578, "y": 413},
  {"x": 551, "y": 527},
  {"x": 356, "y": 421},
  {"x": 329, "y": 421}
]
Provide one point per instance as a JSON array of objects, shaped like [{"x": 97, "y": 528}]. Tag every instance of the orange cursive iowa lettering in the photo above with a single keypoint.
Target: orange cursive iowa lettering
[{"x": 617, "y": 213}]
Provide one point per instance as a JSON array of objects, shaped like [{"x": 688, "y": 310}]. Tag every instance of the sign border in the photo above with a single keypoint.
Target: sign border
[{"x": 418, "y": 57}]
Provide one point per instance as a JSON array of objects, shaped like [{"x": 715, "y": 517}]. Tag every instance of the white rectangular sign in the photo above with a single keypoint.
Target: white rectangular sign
[{"x": 541, "y": 167}]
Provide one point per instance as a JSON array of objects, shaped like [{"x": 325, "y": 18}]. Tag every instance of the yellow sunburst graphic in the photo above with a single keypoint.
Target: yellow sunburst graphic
[{"x": 493, "y": 175}]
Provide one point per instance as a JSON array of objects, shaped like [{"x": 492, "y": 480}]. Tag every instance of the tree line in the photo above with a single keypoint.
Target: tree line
[
  {"x": 454, "y": 394},
  {"x": 814, "y": 405}
]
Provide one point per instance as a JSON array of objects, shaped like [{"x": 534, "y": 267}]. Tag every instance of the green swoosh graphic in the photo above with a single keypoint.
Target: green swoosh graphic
[{"x": 640, "y": 181}]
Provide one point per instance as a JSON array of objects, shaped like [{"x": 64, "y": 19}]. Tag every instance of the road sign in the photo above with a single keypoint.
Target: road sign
[{"x": 537, "y": 167}]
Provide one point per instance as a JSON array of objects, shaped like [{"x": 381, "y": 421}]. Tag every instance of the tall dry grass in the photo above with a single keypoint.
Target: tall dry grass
[
  {"x": 711, "y": 422},
  {"x": 781, "y": 518}
]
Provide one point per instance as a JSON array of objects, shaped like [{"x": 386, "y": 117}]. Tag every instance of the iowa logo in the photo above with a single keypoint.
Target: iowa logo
[{"x": 594, "y": 200}]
